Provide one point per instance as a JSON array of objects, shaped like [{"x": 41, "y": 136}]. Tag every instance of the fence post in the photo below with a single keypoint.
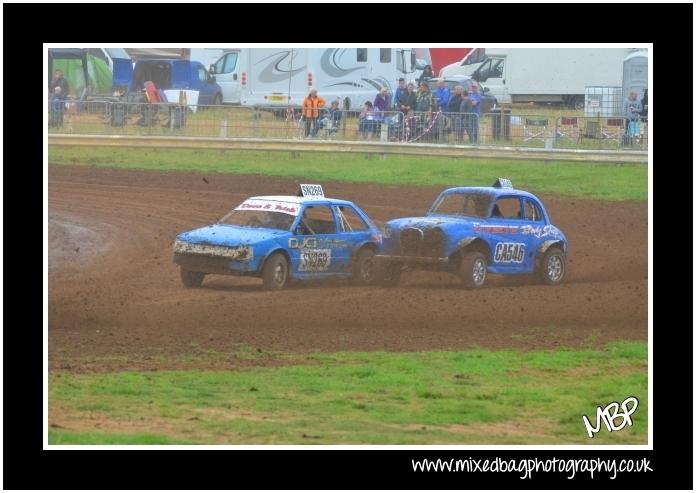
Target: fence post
[{"x": 223, "y": 129}]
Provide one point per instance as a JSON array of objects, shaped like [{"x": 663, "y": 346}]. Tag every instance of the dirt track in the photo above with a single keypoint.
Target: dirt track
[{"x": 115, "y": 292}]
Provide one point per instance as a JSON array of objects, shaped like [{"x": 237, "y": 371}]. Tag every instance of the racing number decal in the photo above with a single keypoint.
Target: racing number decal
[
  {"x": 314, "y": 260},
  {"x": 509, "y": 252}
]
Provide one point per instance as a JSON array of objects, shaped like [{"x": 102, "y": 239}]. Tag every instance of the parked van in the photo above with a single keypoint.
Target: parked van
[
  {"x": 551, "y": 75},
  {"x": 168, "y": 74},
  {"x": 284, "y": 76}
]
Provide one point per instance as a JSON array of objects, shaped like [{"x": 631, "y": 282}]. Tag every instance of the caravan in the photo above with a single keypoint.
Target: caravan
[{"x": 283, "y": 76}]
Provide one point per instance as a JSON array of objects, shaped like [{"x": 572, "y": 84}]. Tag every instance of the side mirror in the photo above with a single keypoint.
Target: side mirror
[
  {"x": 485, "y": 90},
  {"x": 212, "y": 69}
]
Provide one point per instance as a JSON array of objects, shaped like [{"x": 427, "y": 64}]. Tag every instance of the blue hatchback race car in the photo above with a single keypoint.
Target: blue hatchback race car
[
  {"x": 282, "y": 237},
  {"x": 470, "y": 231}
]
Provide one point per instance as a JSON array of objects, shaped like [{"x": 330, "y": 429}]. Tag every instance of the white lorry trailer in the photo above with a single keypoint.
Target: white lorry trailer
[
  {"x": 283, "y": 76},
  {"x": 551, "y": 75}
]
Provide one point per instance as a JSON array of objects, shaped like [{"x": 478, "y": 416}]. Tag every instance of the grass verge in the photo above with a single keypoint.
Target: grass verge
[
  {"x": 474, "y": 396},
  {"x": 596, "y": 181}
]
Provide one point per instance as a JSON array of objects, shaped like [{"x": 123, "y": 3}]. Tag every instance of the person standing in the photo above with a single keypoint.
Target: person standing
[
  {"x": 310, "y": 107},
  {"x": 632, "y": 110},
  {"x": 424, "y": 99},
  {"x": 59, "y": 81},
  {"x": 443, "y": 96},
  {"x": 475, "y": 97},
  {"x": 427, "y": 74},
  {"x": 407, "y": 99},
  {"x": 397, "y": 94},
  {"x": 453, "y": 106},
  {"x": 381, "y": 102},
  {"x": 467, "y": 116}
]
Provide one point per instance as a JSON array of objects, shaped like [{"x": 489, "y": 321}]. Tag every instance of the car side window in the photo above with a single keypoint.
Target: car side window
[
  {"x": 507, "y": 208},
  {"x": 348, "y": 220},
  {"x": 230, "y": 63},
  {"x": 532, "y": 211},
  {"x": 202, "y": 76},
  {"x": 316, "y": 220}
]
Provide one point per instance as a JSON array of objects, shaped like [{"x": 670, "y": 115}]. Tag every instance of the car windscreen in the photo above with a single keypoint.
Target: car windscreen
[
  {"x": 462, "y": 204},
  {"x": 259, "y": 219},
  {"x": 263, "y": 213}
]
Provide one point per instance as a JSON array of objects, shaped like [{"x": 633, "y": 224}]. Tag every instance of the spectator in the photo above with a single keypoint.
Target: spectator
[
  {"x": 311, "y": 106},
  {"x": 381, "y": 102},
  {"x": 632, "y": 109},
  {"x": 424, "y": 99},
  {"x": 427, "y": 74},
  {"x": 443, "y": 96},
  {"x": 57, "y": 107},
  {"x": 475, "y": 98},
  {"x": 368, "y": 121},
  {"x": 59, "y": 81},
  {"x": 407, "y": 99},
  {"x": 466, "y": 110},
  {"x": 644, "y": 102},
  {"x": 331, "y": 118},
  {"x": 397, "y": 94},
  {"x": 453, "y": 106}
]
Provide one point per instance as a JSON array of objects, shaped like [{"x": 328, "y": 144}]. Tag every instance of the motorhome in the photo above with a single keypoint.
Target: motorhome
[
  {"x": 284, "y": 76},
  {"x": 550, "y": 75}
]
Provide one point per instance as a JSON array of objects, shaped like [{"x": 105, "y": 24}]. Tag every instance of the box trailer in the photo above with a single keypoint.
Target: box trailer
[
  {"x": 284, "y": 76},
  {"x": 551, "y": 75}
]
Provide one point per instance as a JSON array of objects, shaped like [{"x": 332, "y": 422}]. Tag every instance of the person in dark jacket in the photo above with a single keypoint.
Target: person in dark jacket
[
  {"x": 59, "y": 81},
  {"x": 453, "y": 106},
  {"x": 644, "y": 101},
  {"x": 466, "y": 109},
  {"x": 427, "y": 74},
  {"x": 407, "y": 100},
  {"x": 397, "y": 93}
]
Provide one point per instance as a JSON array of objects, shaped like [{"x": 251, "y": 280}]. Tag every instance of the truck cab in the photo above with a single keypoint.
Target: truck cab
[{"x": 228, "y": 75}]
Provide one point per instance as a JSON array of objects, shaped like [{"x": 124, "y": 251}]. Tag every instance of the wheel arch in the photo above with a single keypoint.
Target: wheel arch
[
  {"x": 544, "y": 247},
  {"x": 272, "y": 252},
  {"x": 472, "y": 243}
]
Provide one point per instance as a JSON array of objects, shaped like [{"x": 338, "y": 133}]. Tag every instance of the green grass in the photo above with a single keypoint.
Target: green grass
[
  {"x": 473, "y": 396},
  {"x": 596, "y": 181}
]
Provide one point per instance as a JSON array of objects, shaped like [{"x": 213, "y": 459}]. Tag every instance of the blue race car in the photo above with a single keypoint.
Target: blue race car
[
  {"x": 282, "y": 237},
  {"x": 470, "y": 231}
]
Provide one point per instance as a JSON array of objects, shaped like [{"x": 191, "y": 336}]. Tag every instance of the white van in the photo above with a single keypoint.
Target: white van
[{"x": 284, "y": 76}]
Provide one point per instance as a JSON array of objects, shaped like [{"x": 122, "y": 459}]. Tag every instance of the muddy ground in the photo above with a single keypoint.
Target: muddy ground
[{"x": 116, "y": 300}]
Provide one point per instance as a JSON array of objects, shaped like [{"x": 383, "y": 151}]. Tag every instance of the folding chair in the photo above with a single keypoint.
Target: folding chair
[
  {"x": 535, "y": 128},
  {"x": 614, "y": 129},
  {"x": 568, "y": 127}
]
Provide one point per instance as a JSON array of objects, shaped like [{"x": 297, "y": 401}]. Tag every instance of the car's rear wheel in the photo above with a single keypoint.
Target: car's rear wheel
[
  {"x": 390, "y": 274},
  {"x": 275, "y": 272},
  {"x": 473, "y": 269},
  {"x": 552, "y": 268},
  {"x": 365, "y": 268},
  {"x": 191, "y": 279}
]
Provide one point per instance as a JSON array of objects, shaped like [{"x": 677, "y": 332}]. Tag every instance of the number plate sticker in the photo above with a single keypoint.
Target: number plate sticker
[
  {"x": 314, "y": 260},
  {"x": 509, "y": 252}
]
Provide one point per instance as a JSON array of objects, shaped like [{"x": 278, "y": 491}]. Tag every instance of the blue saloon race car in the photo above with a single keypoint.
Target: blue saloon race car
[
  {"x": 278, "y": 238},
  {"x": 471, "y": 231}
]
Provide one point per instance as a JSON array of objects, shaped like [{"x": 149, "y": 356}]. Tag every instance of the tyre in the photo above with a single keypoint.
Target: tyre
[
  {"x": 473, "y": 270},
  {"x": 390, "y": 274},
  {"x": 275, "y": 272},
  {"x": 191, "y": 279},
  {"x": 552, "y": 268},
  {"x": 365, "y": 268}
]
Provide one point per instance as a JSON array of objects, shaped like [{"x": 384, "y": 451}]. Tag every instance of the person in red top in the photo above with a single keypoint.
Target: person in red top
[{"x": 311, "y": 110}]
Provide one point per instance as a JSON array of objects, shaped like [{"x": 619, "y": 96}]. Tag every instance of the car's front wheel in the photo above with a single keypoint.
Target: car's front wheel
[
  {"x": 473, "y": 269},
  {"x": 365, "y": 268},
  {"x": 191, "y": 279},
  {"x": 275, "y": 272},
  {"x": 552, "y": 267}
]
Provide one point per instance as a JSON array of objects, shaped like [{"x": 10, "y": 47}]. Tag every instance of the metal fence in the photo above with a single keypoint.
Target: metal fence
[{"x": 501, "y": 127}]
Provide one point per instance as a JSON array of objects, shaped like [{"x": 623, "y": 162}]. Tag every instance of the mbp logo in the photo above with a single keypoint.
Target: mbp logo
[{"x": 609, "y": 415}]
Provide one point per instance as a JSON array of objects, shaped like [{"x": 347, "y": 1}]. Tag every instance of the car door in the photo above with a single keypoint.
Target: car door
[
  {"x": 353, "y": 233},
  {"x": 315, "y": 247},
  {"x": 227, "y": 77},
  {"x": 510, "y": 251},
  {"x": 534, "y": 229},
  {"x": 492, "y": 75}
]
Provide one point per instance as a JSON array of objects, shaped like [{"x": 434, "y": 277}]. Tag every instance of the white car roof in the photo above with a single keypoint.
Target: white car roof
[{"x": 290, "y": 198}]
